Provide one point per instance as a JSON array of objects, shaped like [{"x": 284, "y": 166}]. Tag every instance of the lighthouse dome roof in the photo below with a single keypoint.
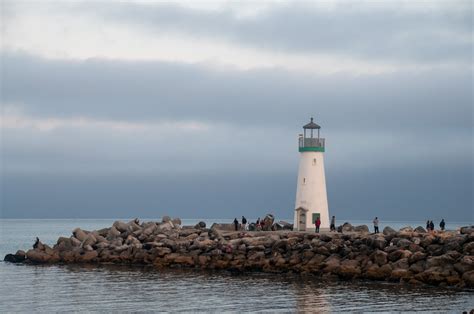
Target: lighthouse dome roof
[{"x": 311, "y": 125}]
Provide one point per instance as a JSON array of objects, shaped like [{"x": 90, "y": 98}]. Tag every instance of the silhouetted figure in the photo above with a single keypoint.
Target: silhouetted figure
[
  {"x": 236, "y": 224},
  {"x": 332, "y": 227},
  {"x": 431, "y": 225},
  {"x": 35, "y": 245},
  {"x": 427, "y": 225},
  {"x": 376, "y": 225},
  {"x": 442, "y": 224},
  {"x": 244, "y": 222}
]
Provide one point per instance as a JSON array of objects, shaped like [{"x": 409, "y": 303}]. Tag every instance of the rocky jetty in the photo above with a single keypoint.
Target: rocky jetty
[{"x": 406, "y": 256}]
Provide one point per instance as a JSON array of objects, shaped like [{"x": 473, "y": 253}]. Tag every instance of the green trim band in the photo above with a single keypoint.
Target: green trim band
[{"x": 311, "y": 149}]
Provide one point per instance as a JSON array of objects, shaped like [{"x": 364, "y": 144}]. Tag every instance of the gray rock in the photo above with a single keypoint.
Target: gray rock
[
  {"x": 79, "y": 234},
  {"x": 120, "y": 226},
  {"x": 389, "y": 231},
  {"x": 200, "y": 225},
  {"x": 420, "y": 229},
  {"x": 467, "y": 230},
  {"x": 406, "y": 229},
  {"x": 362, "y": 229},
  {"x": 176, "y": 221},
  {"x": 166, "y": 219}
]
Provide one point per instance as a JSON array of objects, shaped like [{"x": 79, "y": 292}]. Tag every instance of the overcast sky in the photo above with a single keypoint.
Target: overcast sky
[{"x": 193, "y": 109}]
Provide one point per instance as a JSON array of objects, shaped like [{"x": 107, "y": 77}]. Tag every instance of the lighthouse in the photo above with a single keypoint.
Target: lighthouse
[{"x": 311, "y": 195}]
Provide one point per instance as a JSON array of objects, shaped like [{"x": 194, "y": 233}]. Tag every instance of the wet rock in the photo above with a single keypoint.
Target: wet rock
[
  {"x": 468, "y": 278},
  {"x": 379, "y": 272},
  {"x": 348, "y": 269},
  {"x": 19, "y": 257}
]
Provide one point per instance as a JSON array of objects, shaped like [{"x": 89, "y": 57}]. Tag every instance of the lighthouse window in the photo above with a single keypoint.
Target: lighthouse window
[{"x": 314, "y": 161}]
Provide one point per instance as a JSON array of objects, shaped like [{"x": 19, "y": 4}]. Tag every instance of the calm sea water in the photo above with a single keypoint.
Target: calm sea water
[{"x": 27, "y": 288}]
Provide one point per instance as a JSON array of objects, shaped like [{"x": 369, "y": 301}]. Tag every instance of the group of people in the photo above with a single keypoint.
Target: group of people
[
  {"x": 317, "y": 224},
  {"x": 243, "y": 225},
  {"x": 430, "y": 225}
]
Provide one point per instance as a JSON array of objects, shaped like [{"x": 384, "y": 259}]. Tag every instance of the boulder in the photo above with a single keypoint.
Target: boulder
[
  {"x": 380, "y": 257},
  {"x": 268, "y": 222},
  {"x": 113, "y": 233},
  {"x": 467, "y": 230},
  {"x": 406, "y": 229},
  {"x": 362, "y": 229},
  {"x": 176, "y": 221},
  {"x": 468, "y": 278},
  {"x": 388, "y": 231},
  {"x": 120, "y": 226},
  {"x": 19, "y": 257},
  {"x": 347, "y": 227},
  {"x": 89, "y": 240},
  {"x": 200, "y": 225},
  {"x": 166, "y": 219},
  {"x": 79, "y": 234},
  {"x": 420, "y": 229},
  {"x": 252, "y": 226},
  {"x": 349, "y": 269},
  {"x": 37, "y": 256},
  {"x": 223, "y": 227},
  {"x": 378, "y": 273}
]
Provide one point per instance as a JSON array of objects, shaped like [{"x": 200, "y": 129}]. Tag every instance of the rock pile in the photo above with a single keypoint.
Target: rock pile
[{"x": 404, "y": 256}]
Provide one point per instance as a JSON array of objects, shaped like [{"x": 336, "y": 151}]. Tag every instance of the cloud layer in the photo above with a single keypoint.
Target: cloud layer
[{"x": 168, "y": 95}]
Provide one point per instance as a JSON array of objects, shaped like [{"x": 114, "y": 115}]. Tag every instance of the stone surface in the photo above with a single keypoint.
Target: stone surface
[{"x": 411, "y": 257}]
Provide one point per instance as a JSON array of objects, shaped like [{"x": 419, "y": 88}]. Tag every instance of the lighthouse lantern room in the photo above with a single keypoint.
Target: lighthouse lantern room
[{"x": 311, "y": 195}]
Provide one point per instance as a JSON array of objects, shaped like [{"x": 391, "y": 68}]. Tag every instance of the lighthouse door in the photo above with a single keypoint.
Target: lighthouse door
[{"x": 302, "y": 220}]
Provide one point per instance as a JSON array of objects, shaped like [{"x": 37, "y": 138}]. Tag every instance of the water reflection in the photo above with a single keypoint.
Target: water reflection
[{"x": 123, "y": 288}]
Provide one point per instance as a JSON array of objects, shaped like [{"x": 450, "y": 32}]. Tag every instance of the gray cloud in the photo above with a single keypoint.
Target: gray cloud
[
  {"x": 154, "y": 91},
  {"x": 442, "y": 33}
]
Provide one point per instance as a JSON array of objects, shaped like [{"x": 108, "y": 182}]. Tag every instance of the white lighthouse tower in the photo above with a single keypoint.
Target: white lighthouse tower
[{"x": 311, "y": 196}]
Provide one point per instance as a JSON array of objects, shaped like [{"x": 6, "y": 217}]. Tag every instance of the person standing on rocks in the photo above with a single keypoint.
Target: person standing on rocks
[
  {"x": 442, "y": 224},
  {"x": 244, "y": 222},
  {"x": 376, "y": 225},
  {"x": 431, "y": 225},
  {"x": 236, "y": 224},
  {"x": 333, "y": 224},
  {"x": 317, "y": 223},
  {"x": 427, "y": 225}
]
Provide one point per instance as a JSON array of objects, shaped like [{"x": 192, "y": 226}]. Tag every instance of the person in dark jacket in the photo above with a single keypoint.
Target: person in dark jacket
[
  {"x": 333, "y": 224},
  {"x": 431, "y": 225},
  {"x": 244, "y": 222},
  {"x": 427, "y": 225},
  {"x": 442, "y": 224},
  {"x": 236, "y": 224}
]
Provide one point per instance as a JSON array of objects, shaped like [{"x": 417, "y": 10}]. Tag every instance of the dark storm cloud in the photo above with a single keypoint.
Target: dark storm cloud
[
  {"x": 158, "y": 91},
  {"x": 368, "y": 30}
]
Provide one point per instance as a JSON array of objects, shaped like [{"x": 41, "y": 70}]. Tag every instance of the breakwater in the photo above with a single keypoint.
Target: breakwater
[{"x": 411, "y": 256}]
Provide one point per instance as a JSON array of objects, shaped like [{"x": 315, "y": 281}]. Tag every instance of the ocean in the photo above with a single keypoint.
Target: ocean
[{"x": 58, "y": 288}]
